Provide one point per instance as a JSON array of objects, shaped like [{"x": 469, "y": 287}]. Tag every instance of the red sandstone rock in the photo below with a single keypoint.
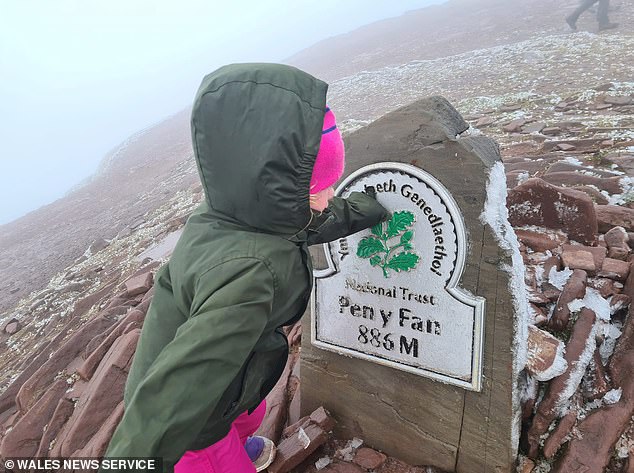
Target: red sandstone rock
[
  {"x": 24, "y": 439},
  {"x": 535, "y": 202},
  {"x": 609, "y": 216},
  {"x": 598, "y": 252},
  {"x": 538, "y": 241},
  {"x": 12, "y": 327},
  {"x": 139, "y": 284},
  {"x": 605, "y": 286},
  {"x": 514, "y": 126},
  {"x": 304, "y": 439},
  {"x": 619, "y": 301},
  {"x": 565, "y": 147},
  {"x": 343, "y": 467},
  {"x": 62, "y": 412},
  {"x": 592, "y": 449},
  {"x": 545, "y": 355},
  {"x": 579, "y": 260},
  {"x": 556, "y": 438},
  {"x": 561, "y": 387},
  {"x": 276, "y": 404},
  {"x": 87, "y": 369},
  {"x": 571, "y": 179},
  {"x": 369, "y": 459},
  {"x": 615, "y": 269},
  {"x": 599, "y": 384},
  {"x": 33, "y": 388},
  {"x": 98, "y": 444},
  {"x": 575, "y": 288},
  {"x": 484, "y": 121},
  {"x": 593, "y": 193},
  {"x": 617, "y": 240},
  {"x": 101, "y": 397}
]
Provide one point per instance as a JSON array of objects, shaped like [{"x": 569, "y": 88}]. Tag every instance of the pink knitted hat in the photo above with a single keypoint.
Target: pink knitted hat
[{"x": 331, "y": 156}]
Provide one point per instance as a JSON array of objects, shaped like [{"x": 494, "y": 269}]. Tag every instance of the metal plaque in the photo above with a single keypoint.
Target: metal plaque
[{"x": 390, "y": 295}]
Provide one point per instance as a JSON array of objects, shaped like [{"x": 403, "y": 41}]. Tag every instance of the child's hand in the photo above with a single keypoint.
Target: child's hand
[{"x": 370, "y": 191}]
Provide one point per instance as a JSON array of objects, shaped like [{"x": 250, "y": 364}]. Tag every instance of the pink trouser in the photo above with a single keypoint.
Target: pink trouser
[{"x": 227, "y": 455}]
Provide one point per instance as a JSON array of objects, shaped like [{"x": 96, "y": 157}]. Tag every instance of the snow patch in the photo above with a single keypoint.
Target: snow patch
[
  {"x": 559, "y": 278},
  {"x": 613, "y": 396},
  {"x": 594, "y": 301}
]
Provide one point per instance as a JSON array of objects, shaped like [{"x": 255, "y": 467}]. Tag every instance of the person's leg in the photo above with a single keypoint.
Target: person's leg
[
  {"x": 246, "y": 424},
  {"x": 602, "y": 12},
  {"x": 225, "y": 456},
  {"x": 583, "y": 6}
]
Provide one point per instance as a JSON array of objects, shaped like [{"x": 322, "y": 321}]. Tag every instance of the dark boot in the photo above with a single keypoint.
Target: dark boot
[{"x": 607, "y": 26}]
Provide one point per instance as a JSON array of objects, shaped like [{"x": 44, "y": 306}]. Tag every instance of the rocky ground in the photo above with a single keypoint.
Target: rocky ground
[{"x": 561, "y": 107}]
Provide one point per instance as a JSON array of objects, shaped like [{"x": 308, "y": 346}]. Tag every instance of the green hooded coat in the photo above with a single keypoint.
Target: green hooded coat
[{"x": 211, "y": 345}]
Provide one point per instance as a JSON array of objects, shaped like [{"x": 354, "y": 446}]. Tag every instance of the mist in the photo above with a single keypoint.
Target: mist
[{"x": 80, "y": 77}]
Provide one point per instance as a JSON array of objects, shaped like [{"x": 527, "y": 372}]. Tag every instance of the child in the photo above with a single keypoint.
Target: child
[{"x": 212, "y": 346}]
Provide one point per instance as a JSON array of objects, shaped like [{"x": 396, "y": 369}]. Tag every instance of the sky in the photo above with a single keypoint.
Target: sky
[{"x": 79, "y": 77}]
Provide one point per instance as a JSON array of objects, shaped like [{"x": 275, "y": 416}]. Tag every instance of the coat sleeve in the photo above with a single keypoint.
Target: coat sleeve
[
  {"x": 184, "y": 384},
  {"x": 344, "y": 217}
]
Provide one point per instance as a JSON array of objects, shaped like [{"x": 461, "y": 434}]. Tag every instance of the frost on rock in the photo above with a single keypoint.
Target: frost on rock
[
  {"x": 613, "y": 396},
  {"x": 495, "y": 214},
  {"x": 559, "y": 366},
  {"x": 323, "y": 462},
  {"x": 559, "y": 278},
  {"x": 578, "y": 370},
  {"x": 594, "y": 301},
  {"x": 611, "y": 333}
]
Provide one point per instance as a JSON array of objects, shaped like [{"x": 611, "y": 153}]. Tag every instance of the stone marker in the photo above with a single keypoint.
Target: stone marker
[{"x": 415, "y": 330}]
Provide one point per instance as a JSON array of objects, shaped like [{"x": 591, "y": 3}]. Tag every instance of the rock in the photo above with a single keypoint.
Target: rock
[
  {"x": 597, "y": 385},
  {"x": 605, "y": 286},
  {"x": 556, "y": 437},
  {"x": 619, "y": 302},
  {"x": 97, "y": 245},
  {"x": 617, "y": 240},
  {"x": 562, "y": 387},
  {"x": 514, "y": 126},
  {"x": 86, "y": 370},
  {"x": 615, "y": 269},
  {"x": 592, "y": 449},
  {"x": 510, "y": 108},
  {"x": 369, "y": 459},
  {"x": 100, "y": 398},
  {"x": 484, "y": 121},
  {"x": 535, "y": 202},
  {"x": 12, "y": 327},
  {"x": 575, "y": 288},
  {"x": 342, "y": 467},
  {"x": 564, "y": 166},
  {"x": 24, "y": 439},
  {"x": 139, "y": 284},
  {"x": 305, "y": 439},
  {"x": 533, "y": 127},
  {"x": 98, "y": 443},
  {"x": 539, "y": 241},
  {"x": 593, "y": 193},
  {"x": 526, "y": 466},
  {"x": 609, "y": 216},
  {"x": 578, "y": 260},
  {"x": 598, "y": 253},
  {"x": 62, "y": 412},
  {"x": 611, "y": 185},
  {"x": 604, "y": 87},
  {"x": 33, "y": 388},
  {"x": 545, "y": 355},
  {"x": 551, "y": 130},
  {"x": 565, "y": 147},
  {"x": 618, "y": 100},
  {"x": 277, "y": 403}
]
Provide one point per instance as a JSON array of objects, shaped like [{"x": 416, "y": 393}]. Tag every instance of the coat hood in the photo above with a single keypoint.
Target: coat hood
[{"x": 256, "y": 130}]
